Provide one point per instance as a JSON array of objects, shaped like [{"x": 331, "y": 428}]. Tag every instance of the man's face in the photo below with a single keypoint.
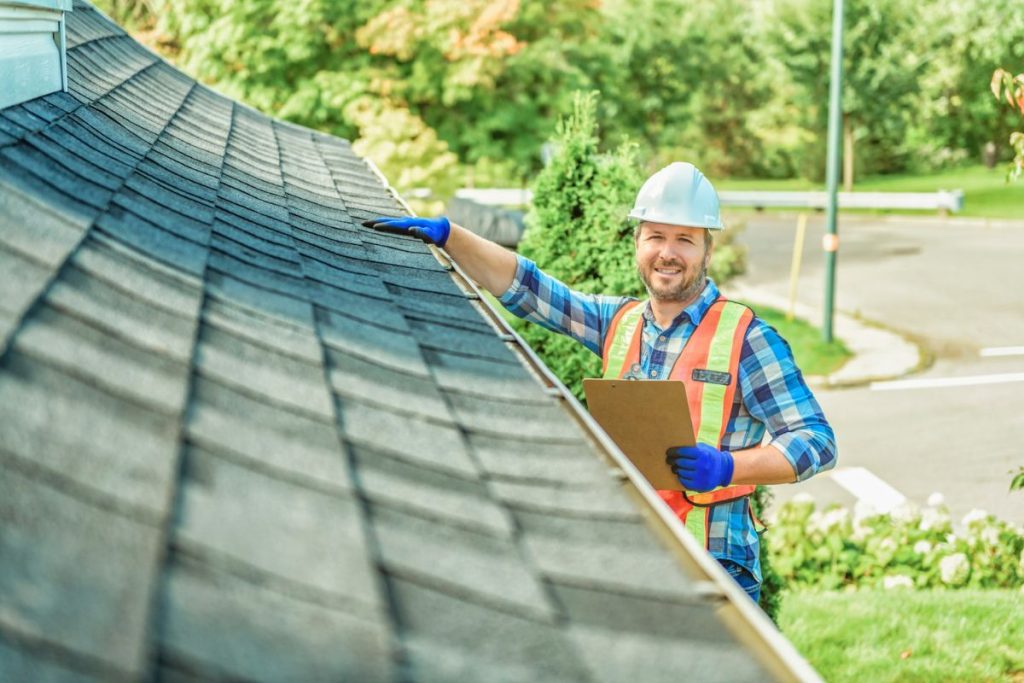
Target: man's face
[{"x": 672, "y": 261}]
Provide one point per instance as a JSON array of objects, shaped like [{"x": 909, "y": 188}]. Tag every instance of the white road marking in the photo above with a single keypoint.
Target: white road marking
[
  {"x": 1002, "y": 351},
  {"x": 940, "y": 382},
  {"x": 868, "y": 488}
]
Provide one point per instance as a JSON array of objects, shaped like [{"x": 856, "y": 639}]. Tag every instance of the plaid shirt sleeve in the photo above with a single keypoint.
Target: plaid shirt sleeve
[
  {"x": 540, "y": 298},
  {"x": 775, "y": 393}
]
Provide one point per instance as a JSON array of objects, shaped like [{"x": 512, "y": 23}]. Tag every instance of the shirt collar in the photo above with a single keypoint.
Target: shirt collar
[{"x": 695, "y": 311}]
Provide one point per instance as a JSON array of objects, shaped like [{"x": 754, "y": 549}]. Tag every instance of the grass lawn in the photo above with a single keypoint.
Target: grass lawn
[
  {"x": 902, "y": 635},
  {"x": 813, "y": 355},
  {"x": 986, "y": 192}
]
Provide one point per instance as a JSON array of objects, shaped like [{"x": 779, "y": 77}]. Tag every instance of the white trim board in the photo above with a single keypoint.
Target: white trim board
[
  {"x": 32, "y": 61},
  {"x": 59, "y": 5}
]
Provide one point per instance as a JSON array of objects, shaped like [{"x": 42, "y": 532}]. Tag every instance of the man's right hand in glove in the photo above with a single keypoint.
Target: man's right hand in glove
[
  {"x": 489, "y": 264},
  {"x": 432, "y": 230}
]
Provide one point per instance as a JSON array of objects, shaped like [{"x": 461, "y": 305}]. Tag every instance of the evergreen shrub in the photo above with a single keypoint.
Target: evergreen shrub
[{"x": 577, "y": 230}]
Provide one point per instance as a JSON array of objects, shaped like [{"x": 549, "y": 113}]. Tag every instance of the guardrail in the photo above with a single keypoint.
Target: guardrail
[{"x": 945, "y": 201}]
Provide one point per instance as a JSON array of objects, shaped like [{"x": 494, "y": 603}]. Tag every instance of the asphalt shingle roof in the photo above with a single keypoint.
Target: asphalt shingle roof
[{"x": 242, "y": 437}]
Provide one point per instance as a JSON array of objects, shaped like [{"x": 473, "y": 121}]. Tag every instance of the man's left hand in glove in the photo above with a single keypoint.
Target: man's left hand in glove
[{"x": 701, "y": 467}]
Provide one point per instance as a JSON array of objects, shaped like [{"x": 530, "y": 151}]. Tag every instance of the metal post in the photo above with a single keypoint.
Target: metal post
[
  {"x": 794, "y": 267},
  {"x": 835, "y": 114}
]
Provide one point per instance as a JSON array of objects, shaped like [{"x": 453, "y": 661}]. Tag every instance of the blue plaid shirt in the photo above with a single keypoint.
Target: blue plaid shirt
[{"x": 772, "y": 395}]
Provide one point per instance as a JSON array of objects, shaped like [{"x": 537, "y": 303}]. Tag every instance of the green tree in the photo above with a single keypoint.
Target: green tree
[
  {"x": 772, "y": 584},
  {"x": 405, "y": 149},
  {"x": 967, "y": 42},
  {"x": 491, "y": 76},
  {"x": 688, "y": 90},
  {"x": 881, "y": 76},
  {"x": 1017, "y": 483},
  {"x": 296, "y": 60}
]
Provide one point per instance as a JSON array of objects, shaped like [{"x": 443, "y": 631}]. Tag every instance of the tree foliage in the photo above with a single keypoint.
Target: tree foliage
[
  {"x": 772, "y": 585},
  {"x": 1017, "y": 483},
  {"x": 405, "y": 149},
  {"x": 735, "y": 86},
  {"x": 881, "y": 76},
  {"x": 1006, "y": 86},
  {"x": 967, "y": 42}
]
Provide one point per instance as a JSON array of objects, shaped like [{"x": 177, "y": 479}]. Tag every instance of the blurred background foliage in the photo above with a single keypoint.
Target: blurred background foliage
[{"x": 444, "y": 93}]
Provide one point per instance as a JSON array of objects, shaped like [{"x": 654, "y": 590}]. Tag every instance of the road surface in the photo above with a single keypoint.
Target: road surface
[{"x": 957, "y": 287}]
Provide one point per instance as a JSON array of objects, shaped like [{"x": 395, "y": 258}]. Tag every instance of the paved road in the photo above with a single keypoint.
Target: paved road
[{"x": 957, "y": 287}]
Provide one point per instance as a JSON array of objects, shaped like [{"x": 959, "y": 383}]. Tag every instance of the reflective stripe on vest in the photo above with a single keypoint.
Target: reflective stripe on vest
[{"x": 714, "y": 350}]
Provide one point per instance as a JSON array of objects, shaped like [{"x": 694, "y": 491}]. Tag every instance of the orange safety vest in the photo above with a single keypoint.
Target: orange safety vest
[{"x": 709, "y": 367}]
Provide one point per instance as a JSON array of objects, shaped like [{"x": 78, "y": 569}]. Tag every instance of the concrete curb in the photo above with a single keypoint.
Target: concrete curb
[{"x": 878, "y": 353}]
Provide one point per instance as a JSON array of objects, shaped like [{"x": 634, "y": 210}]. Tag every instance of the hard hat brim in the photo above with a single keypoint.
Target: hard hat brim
[{"x": 644, "y": 217}]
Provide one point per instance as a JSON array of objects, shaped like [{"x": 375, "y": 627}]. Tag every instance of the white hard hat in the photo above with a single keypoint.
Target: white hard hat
[{"x": 678, "y": 194}]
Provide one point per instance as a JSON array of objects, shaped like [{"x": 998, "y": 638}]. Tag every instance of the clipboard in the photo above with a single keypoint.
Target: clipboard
[{"x": 644, "y": 419}]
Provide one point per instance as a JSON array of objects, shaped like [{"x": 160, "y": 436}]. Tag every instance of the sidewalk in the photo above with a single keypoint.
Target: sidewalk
[{"x": 878, "y": 354}]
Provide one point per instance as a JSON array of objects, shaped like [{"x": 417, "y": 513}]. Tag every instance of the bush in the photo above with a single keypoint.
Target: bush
[
  {"x": 909, "y": 547},
  {"x": 577, "y": 230}
]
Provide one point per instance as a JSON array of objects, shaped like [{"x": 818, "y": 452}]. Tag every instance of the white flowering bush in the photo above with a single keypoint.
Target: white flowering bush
[{"x": 909, "y": 547}]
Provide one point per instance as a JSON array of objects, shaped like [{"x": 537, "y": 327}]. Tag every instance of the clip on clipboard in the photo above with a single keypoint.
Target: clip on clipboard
[{"x": 644, "y": 419}]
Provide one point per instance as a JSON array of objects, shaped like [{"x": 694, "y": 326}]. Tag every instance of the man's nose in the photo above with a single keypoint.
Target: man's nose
[{"x": 668, "y": 252}]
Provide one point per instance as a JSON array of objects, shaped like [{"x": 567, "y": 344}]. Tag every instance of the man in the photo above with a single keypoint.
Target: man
[{"x": 741, "y": 379}]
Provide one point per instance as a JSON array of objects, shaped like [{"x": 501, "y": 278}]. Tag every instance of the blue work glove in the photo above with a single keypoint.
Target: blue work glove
[
  {"x": 701, "y": 467},
  {"x": 432, "y": 230}
]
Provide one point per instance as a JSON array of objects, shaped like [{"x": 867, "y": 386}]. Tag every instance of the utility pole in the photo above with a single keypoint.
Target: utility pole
[{"x": 830, "y": 243}]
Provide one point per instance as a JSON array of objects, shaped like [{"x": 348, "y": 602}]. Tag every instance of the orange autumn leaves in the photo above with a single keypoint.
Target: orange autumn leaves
[
  {"x": 459, "y": 29},
  {"x": 1006, "y": 86},
  {"x": 1009, "y": 87}
]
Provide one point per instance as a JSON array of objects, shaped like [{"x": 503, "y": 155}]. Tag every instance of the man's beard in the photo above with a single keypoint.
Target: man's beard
[{"x": 684, "y": 291}]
